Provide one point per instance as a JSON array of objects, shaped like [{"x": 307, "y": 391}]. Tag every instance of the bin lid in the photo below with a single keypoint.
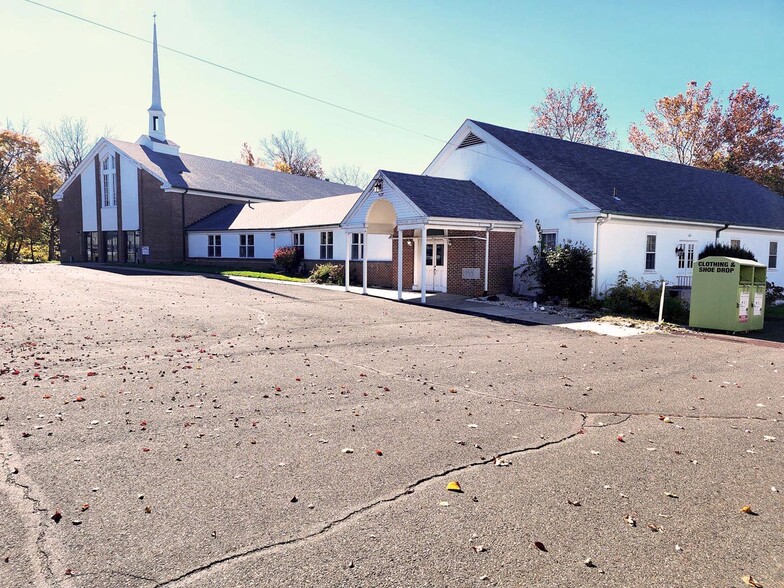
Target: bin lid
[{"x": 746, "y": 262}]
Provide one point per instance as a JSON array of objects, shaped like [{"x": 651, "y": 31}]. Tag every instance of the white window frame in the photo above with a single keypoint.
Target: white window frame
[
  {"x": 649, "y": 251},
  {"x": 109, "y": 182},
  {"x": 357, "y": 246},
  {"x": 214, "y": 248},
  {"x": 773, "y": 255},
  {"x": 327, "y": 245},
  {"x": 247, "y": 245}
]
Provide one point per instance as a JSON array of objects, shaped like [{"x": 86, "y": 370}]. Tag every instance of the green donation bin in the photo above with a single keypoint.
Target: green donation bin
[{"x": 728, "y": 294}]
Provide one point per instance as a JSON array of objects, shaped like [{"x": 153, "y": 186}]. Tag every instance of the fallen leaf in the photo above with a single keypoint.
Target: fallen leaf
[
  {"x": 751, "y": 581},
  {"x": 768, "y": 438},
  {"x": 574, "y": 502},
  {"x": 57, "y": 516},
  {"x": 630, "y": 520},
  {"x": 454, "y": 486},
  {"x": 443, "y": 503},
  {"x": 540, "y": 546},
  {"x": 379, "y": 452},
  {"x": 148, "y": 509},
  {"x": 347, "y": 450},
  {"x": 80, "y": 399},
  {"x": 501, "y": 462},
  {"x": 295, "y": 499},
  {"x": 589, "y": 562},
  {"x": 671, "y": 495},
  {"x": 747, "y": 510},
  {"x": 478, "y": 548},
  {"x": 655, "y": 528},
  {"x": 85, "y": 507}
]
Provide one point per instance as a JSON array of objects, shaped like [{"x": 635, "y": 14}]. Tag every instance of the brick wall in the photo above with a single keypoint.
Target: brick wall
[
  {"x": 70, "y": 208},
  {"x": 408, "y": 260},
  {"x": 466, "y": 252}
]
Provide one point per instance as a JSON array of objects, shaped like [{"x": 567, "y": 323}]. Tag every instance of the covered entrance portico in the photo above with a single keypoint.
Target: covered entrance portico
[{"x": 434, "y": 252}]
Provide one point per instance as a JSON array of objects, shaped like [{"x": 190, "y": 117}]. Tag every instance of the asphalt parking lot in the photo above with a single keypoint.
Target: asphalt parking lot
[{"x": 187, "y": 431}]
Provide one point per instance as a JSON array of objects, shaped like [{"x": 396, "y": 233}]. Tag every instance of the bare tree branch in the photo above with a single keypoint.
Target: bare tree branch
[
  {"x": 350, "y": 175},
  {"x": 289, "y": 152}
]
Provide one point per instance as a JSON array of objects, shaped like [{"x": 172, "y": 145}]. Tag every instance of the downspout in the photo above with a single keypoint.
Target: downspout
[
  {"x": 184, "y": 232},
  {"x": 599, "y": 220},
  {"x": 725, "y": 227}
]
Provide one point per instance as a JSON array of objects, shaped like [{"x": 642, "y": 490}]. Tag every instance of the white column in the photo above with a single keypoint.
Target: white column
[
  {"x": 348, "y": 256},
  {"x": 487, "y": 258},
  {"x": 422, "y": 263},
  {"x": 364, "y": 261},
  {"x": 400, "y": 264}
]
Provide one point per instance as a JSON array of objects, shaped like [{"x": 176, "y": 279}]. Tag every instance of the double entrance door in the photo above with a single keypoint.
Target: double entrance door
[{"x": 435, "y": 265}]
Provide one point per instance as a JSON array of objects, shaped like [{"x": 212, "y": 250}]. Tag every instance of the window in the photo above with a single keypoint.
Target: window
[
  {"x": 112, "y": 245},
  {"x": 91, "y": 246},
  {"x": 439, "y": 259},
  {"x": 213, "y": 245},
  {"x": 734, "y": 242},
  {"x": 132, "y": 246},
  {"x": 247, "y": 248},
  {"x": 299, "y": 243},
  {"x": 357, "y": 246},
  {"x": 109, "y": 181},
  {"x": 650, "y": 253},
  {"x": 155, "y": 123},
  {"x": 327, "y": 243},
  {"x": 773, "y": 254},
  {"x": 549, "y": 240}
]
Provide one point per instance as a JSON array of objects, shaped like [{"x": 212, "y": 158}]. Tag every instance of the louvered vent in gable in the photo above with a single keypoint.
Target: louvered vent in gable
[{"x": 470, "y": 140}]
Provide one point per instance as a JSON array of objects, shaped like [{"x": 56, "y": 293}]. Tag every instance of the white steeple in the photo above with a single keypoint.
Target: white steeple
[{"x": 157, "y": 128}]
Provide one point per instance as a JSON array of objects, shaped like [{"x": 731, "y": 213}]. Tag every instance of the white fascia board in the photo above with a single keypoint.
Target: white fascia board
[
  {"x": 513, "y": 158},
  {"x": 468, "y": 223},
  {"x": 585, "y": 214},
  {"x": 168, "y": 188},
  {"x": 82, "y": 166},
  {"x": 661, "y": 221},
  {"x": 331, "y": 227}
]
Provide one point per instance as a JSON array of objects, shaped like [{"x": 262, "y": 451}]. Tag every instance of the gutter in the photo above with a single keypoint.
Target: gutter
[
  {"x": 599, "y": 220},
  {"x": 726, "y": 226}
]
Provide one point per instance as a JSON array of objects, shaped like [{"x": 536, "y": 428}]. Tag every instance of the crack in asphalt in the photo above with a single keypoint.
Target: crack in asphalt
[
  {"x": 44, "y": 568},
  {"x": 409, "y": 489}
]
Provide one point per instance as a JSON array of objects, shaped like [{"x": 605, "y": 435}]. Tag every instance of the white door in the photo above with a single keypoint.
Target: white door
[
  {"x": 685, "y": 262},
  {"x": 435, "y": 266}
]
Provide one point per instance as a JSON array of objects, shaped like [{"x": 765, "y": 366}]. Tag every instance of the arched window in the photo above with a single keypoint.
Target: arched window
[{"x": 109, "y": 181}]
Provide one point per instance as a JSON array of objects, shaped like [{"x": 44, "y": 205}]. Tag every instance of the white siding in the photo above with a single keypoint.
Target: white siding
[
  {"x": 406, "y": 213},
  {"x": 129, "y": 182},
  {"x": 379, "y": 248},
  {"x": 197, "y": 245},
  {"x": 89, "y": 217},
  {"x": 109, "y": 218}
]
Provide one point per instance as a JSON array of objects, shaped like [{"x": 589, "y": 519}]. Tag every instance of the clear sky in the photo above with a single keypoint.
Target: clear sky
[{"x": 424, "y": 65}]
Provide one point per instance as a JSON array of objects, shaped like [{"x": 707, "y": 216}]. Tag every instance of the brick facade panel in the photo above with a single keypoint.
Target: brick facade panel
[{"x": 70, "y": 208}]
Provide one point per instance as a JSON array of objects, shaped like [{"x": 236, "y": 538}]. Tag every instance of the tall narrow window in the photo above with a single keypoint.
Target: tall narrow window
[
  {"x": 357, "y": 246},
  {"x": 213, "y": 245},
  {"x": 155, "y": 123},
  {"x": 773, "y": 254},
  {"x": 326, "y": 245},
  {"x": 109, "y": 181},
  {"x": 549, "y": 240},
  {"x": 112, "y": 246},
  {"x": 247, "y": 247},
  {"x": 650, "y": 253},
  {"x": 132, "y": 246},
  {"x": 299, "y": 243}
]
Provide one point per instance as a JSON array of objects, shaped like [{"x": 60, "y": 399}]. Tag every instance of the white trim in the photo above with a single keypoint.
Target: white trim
[
  {"x": 168, "y": 188},
  {"x": 88, "y": 159}
]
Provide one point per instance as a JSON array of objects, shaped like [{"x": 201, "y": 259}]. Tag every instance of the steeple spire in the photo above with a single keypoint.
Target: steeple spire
[{"x": 157, "y": 129}]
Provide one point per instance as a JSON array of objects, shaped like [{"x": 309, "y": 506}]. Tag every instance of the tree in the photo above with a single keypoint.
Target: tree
[
  {"x": 289, "y": 152},
  {"x": 246, "y": 155},
  {"x": 746, "y": 137},
  {"x": 574, "y": 114},
  {"x": 67, "y": 143},
  {"x": 681, "y": 128},
  {"x": 750, "y": 139},
  {"x": 351, "y": 175},
  {"x": 27, "y": 184}
]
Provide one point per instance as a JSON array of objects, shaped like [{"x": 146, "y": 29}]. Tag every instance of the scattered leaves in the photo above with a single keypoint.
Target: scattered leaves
[
  {"x": 751, "y": 581},
  {"x": 454, "y": 486},
  {"x": 540, "y": 546},
  {"x": 746, "y": 509}
]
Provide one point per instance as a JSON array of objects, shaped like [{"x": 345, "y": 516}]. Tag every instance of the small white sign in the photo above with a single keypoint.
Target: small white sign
[
  {"x": 145, "y": 249},
  {"x": 743, "y": 307},
  {"x": 470, "y": 273},
  {"x": 757, "y": 304}
]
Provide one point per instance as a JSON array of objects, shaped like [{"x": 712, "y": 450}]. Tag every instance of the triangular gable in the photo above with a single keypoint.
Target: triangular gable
[{"x": 407, "y": 213}]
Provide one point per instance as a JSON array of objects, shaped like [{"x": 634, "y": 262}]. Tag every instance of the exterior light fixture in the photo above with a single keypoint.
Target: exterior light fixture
[
  {"x": 679, "y": 251},
  {"x": 378, "y": 185},
  {"x": 272, "y": 235}
]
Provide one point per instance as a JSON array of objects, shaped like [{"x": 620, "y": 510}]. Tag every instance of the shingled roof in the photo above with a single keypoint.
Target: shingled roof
[
  {"x": 278, "y": 215},
  {"x": 205, "y": 174},
  {"x": 447, "y": 198},
  {"x": 627, "y": 184}
]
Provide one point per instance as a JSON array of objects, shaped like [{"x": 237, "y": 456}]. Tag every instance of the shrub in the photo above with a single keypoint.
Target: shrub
[
  {"x": 773, "y": 294},
  {"x": 563, "y": 271},
  {"x": 724, "y": 250},
  {"x": 328, "y": 273},
  {"x": 641, "y": 299},
  {"x": 287, "y": 258}
]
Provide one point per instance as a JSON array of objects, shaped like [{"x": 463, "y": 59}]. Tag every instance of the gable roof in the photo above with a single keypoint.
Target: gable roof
[
  {"x": 193, "y": 172},
  {"x": 448, "y": 198},
  {"x": 645, "y": 186},
  {"x": 278, "y": 215}
]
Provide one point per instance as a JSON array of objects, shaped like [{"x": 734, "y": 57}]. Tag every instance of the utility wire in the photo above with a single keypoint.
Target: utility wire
[{"x": 266, "y": 82}]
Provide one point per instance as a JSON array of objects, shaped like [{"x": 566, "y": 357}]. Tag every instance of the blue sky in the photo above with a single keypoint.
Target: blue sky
[{"x": 423, "y": 65}]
